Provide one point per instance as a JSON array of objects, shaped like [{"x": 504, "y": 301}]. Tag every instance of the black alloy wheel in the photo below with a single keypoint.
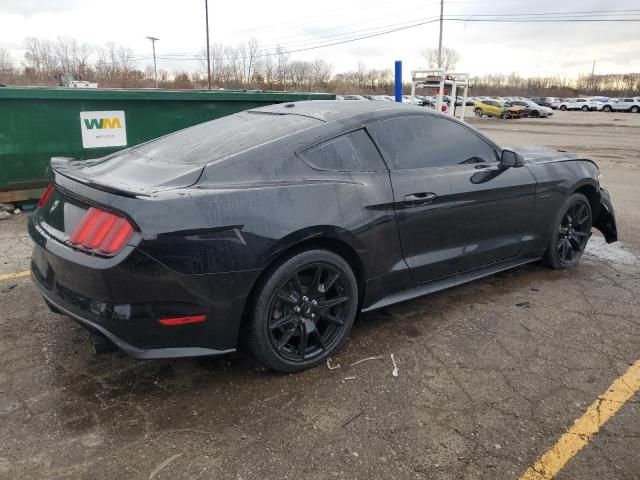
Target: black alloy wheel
[
  {"x": 304, "y": 311},
  {"x": 571, "y": 234}
]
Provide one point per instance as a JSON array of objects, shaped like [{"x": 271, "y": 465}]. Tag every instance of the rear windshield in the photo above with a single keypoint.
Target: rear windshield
[{"x": 216, "y": 139}]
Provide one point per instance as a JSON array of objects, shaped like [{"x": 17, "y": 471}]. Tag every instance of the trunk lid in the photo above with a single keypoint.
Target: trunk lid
[{"x": 129, "y": 173}]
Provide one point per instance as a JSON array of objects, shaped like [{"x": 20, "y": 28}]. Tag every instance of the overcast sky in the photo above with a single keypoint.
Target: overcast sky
[{"x": 527, "y": 49}]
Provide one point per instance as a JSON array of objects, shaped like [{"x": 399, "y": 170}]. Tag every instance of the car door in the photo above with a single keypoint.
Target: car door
[
  {"x": 496, "y": 108},
  {"x": 456, "y": 208},
  {"x": 624, "y": 104},
  {"x": 488, "y": 107}
]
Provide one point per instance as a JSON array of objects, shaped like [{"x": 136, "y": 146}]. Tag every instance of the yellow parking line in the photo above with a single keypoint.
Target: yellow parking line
[
  {"x": 9, "y": 276},
  {"x": 607, "y": 404}
]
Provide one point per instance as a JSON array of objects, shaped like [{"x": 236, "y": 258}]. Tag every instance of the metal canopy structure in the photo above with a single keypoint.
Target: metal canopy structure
[{"x": 440, "y": 78}]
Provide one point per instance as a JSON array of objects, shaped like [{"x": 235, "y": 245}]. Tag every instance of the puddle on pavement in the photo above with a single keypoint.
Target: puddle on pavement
[{"x": 611, "y": 252}]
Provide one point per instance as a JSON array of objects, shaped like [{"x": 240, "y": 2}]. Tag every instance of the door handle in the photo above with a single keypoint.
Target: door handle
[{"x": 421, "y": 198}]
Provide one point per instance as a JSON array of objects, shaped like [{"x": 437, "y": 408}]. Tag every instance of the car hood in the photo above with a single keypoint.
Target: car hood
[{"x": 538, "y": 154}]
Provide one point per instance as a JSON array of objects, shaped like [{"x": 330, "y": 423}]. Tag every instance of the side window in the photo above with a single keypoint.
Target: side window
[
  {"x": 350, "y": 152},
  {"x": 421, "y": 141}
]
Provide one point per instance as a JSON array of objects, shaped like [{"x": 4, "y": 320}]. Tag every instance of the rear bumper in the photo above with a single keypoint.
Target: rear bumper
[
  {"x": 133, "y": 351},
  {"x": 125, "y": 303}
]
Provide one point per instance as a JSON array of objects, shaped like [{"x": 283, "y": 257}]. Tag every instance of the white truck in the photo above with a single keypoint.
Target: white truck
[{"x": 72, "y": 80}]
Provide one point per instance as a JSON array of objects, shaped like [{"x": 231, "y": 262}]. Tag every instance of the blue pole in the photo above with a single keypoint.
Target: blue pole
[{"x": 399, "y": 81}]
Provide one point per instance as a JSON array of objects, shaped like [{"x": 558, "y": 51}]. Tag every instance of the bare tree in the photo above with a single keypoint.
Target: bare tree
[
  {"x": 266, "y": 68},
  {"x": 298, "y": 73},
  {"x": 320, "y": 73},
  {"x": 450, "y": 58},
  {"x": 249, "y": 53},
  {"x": 6, "y": 63},
  {"x": 282, "y": 68},
  {"x": 39, "y": 56},
  {"x": 71, "y": 56}
]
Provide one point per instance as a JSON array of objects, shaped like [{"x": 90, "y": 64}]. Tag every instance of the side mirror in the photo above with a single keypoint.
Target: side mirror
[{"x": 511, "y": 159}]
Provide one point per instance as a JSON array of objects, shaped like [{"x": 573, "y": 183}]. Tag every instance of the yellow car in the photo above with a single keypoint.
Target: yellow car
[{"x": 493, "y": 108}]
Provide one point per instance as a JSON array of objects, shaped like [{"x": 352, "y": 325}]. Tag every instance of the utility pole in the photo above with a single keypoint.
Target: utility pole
[
  {"x": 155, "y": 69},
  {"x": 206, "y": 14},
  {"x": 440, "y": 41},
  {"x": 593, "y": 78}
]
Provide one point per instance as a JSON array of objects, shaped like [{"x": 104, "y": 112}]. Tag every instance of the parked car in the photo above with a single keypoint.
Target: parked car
[
  {"x": 276, "y": 226},
  {"x": 555, "y": 103},
  {"x": 543, "y": 101},
  {"x": 407, "y": 99},
  {"x": 583, "y": 104},
  {"x": 627, "y": 104},
  {"x": 532, "y": 109},
  {"x": 429, "y": 100},
  {"x": 353, "y": 97},
  {"x": 495, "y": 108}
]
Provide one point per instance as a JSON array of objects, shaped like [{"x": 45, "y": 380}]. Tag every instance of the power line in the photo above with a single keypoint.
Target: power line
[
  {"x": 346, "y": 35},
  {"x": 513, "y": 18},
  {"x": 289, "y": 47}
]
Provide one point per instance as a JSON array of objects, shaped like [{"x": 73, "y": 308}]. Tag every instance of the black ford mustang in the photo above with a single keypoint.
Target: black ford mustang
[{"x": 276, "y": 226}]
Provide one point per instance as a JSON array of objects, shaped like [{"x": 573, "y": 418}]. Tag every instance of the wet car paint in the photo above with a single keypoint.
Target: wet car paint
[{"x": 203, "y": 249}]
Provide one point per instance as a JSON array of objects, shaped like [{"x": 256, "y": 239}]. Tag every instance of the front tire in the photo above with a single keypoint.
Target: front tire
[
  {"x": 607, "y": 108},
  {"x": 304, "y": 311},
  {"x": 505, "y": 116},
  {"x": 478, "y": 112},
  {"x": 570, "y": 234},
  {"x": 635, "y": 109},
  {"x": 563, "y": 108},
  {"x": 585, "y": 108}
]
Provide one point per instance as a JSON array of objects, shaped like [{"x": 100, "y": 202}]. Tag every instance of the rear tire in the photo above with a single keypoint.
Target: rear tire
[
  {"x": 535, "y": 113},
  {"x": 635, "y": 109},
  {"x": 607, "y": 108},
  {"x": 304, "y": 311},
  {"x": 478, "y": 112},
  {"x": 585, "y": 108},
  {"x": 505, "y": 116},
  {"x": 570, "y": 233},
  {"x": 563, "y": 108}
]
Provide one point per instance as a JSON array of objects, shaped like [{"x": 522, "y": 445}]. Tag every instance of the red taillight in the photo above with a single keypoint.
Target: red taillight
[
  {"x": 102, "y": 231},
  {"x": 183, "y": 320},
  {"x": 45, "y": 196}
]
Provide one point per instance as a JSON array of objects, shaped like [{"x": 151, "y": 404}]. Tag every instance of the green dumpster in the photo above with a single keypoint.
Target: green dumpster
[{"x": 39, "y": 123}]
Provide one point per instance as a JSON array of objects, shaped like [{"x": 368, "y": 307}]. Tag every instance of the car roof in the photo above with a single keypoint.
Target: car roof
[{"x": 333, "y": 110}]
